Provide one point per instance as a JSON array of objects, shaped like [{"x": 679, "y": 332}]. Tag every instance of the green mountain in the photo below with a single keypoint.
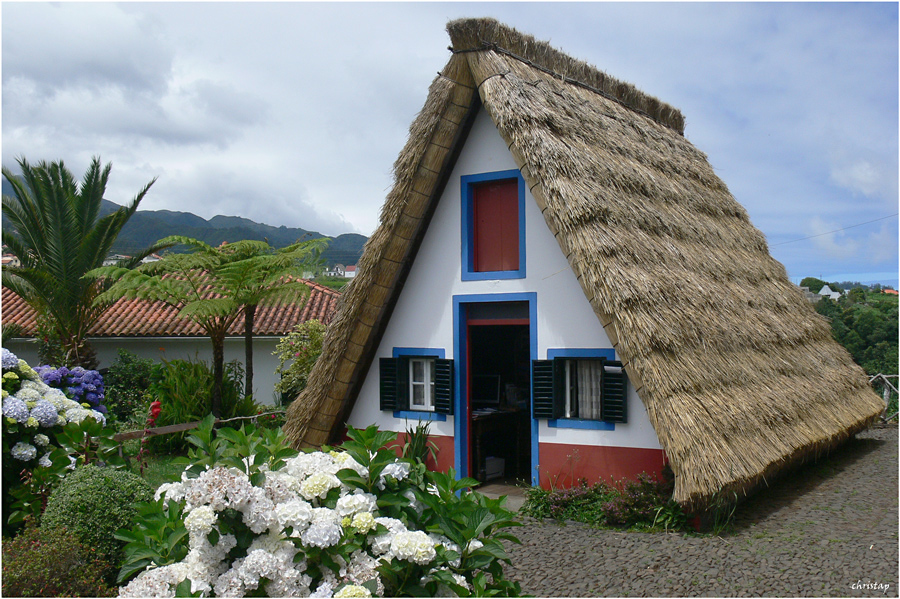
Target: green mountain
[{"x": 148, "y": 226}]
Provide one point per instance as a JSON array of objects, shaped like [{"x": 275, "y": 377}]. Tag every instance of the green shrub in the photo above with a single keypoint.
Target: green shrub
[
  {"x": 644, "y": 503},
  {"x": 52, "y": 563},
  {"x": 297, "y": 354},
  {"x": 127, "y": 382},
  {"x": 185, "y": 389},
  {"x": 93, "y": 503},
  {"x": 582, "y": 502}
]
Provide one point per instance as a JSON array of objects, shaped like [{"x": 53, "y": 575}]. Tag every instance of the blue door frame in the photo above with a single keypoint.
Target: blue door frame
[{"x": 460, "y": 357}]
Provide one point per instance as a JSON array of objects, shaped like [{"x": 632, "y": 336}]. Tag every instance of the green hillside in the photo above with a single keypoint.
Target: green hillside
[{"x": 148, "y": 226}]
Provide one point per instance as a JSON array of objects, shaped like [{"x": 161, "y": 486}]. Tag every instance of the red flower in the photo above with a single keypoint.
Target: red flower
[{"x": 155, "y": 409}]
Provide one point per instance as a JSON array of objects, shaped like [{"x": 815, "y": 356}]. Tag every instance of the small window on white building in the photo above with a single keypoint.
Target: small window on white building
[{"x": 421, "y": 384}]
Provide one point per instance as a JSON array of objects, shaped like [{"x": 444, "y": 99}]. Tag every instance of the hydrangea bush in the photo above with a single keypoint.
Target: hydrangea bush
[
  {"x": 80, "y": 385},
  {"x": 42, "y": 428},
  {"x": 256, "y": 517}
]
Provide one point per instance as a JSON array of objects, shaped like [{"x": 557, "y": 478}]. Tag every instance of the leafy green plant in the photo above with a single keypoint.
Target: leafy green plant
[
  {"x": 417, "y": 447},
  {"x": 91, "y": 442},
  {"x": 53, "y": 563},
  {"x": 722, "y": 508},
  {"x": 250, "y": 450},
  {"x": 670, "y": 517},
  {"x": 156, "y": 538},
  {"x": 184, "y": 388},
  {"x": 93, "y": 503},
  {"x": 127, "y": 382},
  {"x": 297, "y": 354}
]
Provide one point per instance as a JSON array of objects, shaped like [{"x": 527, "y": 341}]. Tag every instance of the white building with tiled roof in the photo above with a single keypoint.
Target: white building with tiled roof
[{"x": 153, "y": 330}]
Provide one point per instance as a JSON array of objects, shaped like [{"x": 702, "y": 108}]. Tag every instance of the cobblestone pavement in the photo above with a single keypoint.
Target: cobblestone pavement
[{"x": 829, "y": 529}]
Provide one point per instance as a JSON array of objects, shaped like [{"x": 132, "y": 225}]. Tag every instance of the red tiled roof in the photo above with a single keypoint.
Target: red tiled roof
[{"x": 141, "y": 318}]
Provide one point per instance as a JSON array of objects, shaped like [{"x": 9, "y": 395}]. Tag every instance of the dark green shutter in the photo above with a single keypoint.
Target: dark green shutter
[
  {"x": 544, "y": 389},
  {"x": 615, "y": 395},
  {"x": 443, "y": 386},
  {"x": 387, "y": 372}
]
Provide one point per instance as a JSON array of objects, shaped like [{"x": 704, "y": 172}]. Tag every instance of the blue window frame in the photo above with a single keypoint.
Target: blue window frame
[
  {"x": 578, "y": 423},
  {"x": 468, "y": 185},
  {"x": 419, "y": 352}
]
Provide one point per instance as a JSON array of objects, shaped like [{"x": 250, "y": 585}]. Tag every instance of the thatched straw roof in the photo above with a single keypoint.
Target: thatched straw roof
[{"x": 739, "y": 375}]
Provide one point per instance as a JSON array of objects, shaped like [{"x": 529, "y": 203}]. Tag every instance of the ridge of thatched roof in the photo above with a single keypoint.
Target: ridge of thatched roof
[
  {"x": 469, "y": 35},
  {"x": 740, "y": 377}
]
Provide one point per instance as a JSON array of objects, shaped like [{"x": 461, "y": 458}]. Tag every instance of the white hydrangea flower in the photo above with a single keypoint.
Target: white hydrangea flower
[
  {"x": 324, "y": 529},
  {"x": 324, "y": 590},
  {"x": 362, "y": 568},
  {"x": 397, "y": 470},
  {"x": 345, "y": 460},
  {"x": 41, "y": 440},
  {"x": 259, "y": 563},
  {"x": 200, "y": 520},
  {"x": 318, "y": 485},
  {"x": 28, "y": 394},
  {"x": 307, "y": 464},
  {"x": 295, "y": 513},
  {"x": 381, "y": 544},
  {"x": 353, "y": 590},
  {"x": 45, "y": 461},
  {"x": 171, "y": 491},
  {"x": 259, "y": 511},
  {"x": 363, "y": 522},
  {"x": 219, "y": 488},
  {"x": 282, "y": 487},
  {"x": 79, "y": 414},
  {"x": 360, "y": 501},
  {"x": 158, "y": 582},
  {"x": 473, "y": 545},
  {"x": 414, "y": 546},
  {"x": 229, "y": 584},
  {"x": 23, "y": 451}
]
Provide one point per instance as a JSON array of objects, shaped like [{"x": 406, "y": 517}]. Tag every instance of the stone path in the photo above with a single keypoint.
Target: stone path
[{"x": 829, "y": 529}]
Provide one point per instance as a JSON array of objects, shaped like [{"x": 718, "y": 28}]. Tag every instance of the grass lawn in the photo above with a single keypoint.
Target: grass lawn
[{"x": 159, "y": 470}]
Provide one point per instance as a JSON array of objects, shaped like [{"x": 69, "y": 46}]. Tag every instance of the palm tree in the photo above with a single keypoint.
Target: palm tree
[
  {"x": 212, "y": 286},
  {"x": 58, "y": 235}
]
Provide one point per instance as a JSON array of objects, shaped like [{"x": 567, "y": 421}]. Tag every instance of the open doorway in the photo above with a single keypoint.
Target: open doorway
[{"x": 499, "y": 388}]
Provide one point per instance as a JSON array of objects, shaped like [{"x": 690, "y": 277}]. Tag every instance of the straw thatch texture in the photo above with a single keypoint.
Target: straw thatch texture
[{"x": 739, "y": 375}]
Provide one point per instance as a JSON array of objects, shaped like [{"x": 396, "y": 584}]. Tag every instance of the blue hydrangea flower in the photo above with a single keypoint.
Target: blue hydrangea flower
[
  {"x": 15, "y": 408},
  {"x": 45, "y": 413},
  {"x": 8, "y": 360}
]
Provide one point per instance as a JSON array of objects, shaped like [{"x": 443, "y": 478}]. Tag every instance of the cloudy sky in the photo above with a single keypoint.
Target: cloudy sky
[{"x": 293, "y": 113}]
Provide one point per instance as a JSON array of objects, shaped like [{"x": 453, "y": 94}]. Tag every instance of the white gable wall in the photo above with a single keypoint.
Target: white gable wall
[{"x": 423, "y": 316}]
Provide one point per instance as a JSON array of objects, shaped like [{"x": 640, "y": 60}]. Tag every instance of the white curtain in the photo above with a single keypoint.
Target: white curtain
[{"x": 589, "y": 390}]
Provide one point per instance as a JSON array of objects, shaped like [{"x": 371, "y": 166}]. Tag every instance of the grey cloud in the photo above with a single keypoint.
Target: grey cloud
[{"x": 62, "y": 45}]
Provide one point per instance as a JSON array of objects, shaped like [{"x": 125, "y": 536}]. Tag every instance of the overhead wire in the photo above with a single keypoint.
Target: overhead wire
[{"x": 836, "y": 230}]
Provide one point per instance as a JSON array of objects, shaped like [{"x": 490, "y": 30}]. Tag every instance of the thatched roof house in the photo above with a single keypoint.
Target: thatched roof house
[{"x": 738, "y": 375}]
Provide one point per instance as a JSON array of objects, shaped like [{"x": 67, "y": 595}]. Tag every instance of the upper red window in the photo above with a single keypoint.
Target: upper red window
[
  {"x": 496, "y": 226},
  {"x": 493, "y": 226}
]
